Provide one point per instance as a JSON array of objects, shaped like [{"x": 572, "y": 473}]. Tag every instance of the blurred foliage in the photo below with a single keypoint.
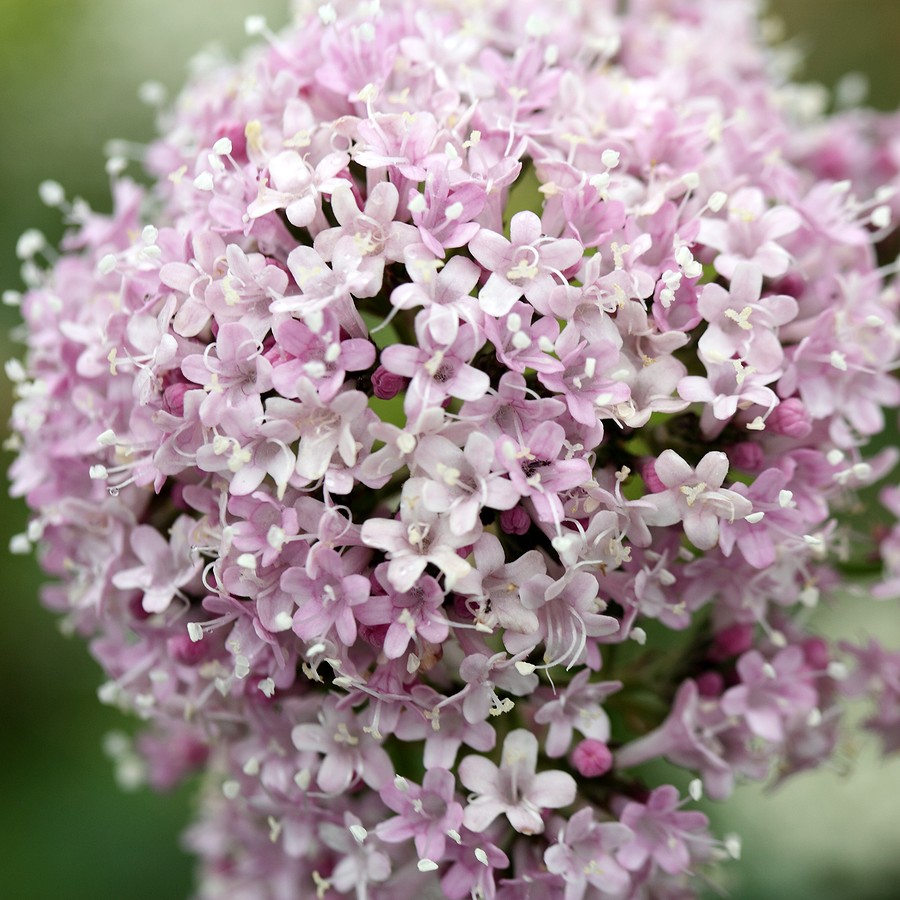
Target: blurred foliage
[{"x": 69, "y": 74}]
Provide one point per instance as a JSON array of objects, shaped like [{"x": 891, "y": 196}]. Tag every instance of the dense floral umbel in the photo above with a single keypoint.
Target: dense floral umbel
[{"x": 461, "y": 419}]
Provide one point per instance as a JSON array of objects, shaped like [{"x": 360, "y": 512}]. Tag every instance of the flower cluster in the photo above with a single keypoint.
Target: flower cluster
[{"x": 460, "y": 420}]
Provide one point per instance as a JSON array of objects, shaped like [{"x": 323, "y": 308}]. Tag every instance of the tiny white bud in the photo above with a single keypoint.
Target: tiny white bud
[
  {"x": 11, "y": 298},
  {"x": 834, "y": 456}
]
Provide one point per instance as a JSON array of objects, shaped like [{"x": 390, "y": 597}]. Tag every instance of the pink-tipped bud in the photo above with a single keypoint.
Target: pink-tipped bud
[
  {"x": 790, "y": 419},
  {"x": 515, "y": 520},
  {"x": 592, "y": 758},
  {"x": 710, "y": 684},
  {"x": 385, "y": 384},
  {"x": 747, "y": 456},
  {"x": 651, "y": 479},
  {"x": 185, "y": 651},
  {"x": 173, "y": 397},
  {"x": 816, "y": 653},
  {"x": 731, "y": 641}
]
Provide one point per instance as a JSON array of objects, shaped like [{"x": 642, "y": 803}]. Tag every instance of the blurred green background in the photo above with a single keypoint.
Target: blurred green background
[{"x": 69, "y": 77}]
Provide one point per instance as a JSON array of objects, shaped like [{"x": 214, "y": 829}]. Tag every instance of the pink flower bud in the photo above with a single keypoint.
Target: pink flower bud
[
  {"x": 185, "y": 651},
  {"x": 592, "y": 758},
  {"x": 651, "y": 479},
  {"x": 747, "y": 456},
  {"x": 515, "y": 520},
  {"x": 816, "y": 654},
  {"x": 385, "y": 384},
  {"x": 790, "y": 419},
  {"x": 710, "y": 684},
  {"x": 731, "y": 641},
  {"x": 173, "y": 397}
]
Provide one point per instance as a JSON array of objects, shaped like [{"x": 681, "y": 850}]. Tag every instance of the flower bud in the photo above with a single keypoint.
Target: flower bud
[{"x": 592, "y": 758}]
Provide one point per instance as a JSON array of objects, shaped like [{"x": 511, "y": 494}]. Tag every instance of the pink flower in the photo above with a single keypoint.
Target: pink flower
[
  {"x": 695, "y": 497},
  {"x": 513, "y": 789}
]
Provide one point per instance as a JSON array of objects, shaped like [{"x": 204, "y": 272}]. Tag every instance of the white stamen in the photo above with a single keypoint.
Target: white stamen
[
  {"x": 733, "y": 845},
  {"x": 426, "y": 865},
  {"x": 359, "y": 833},
  {"x": 51, "y": 193},
  {"x": 717, "y": 199},
  {"x": 837, "y": 670},
  {"x": 107, "y": 264},
  {"x": 231, "y": 789},
  {"x": 30, "y": 243},
  {"x": 610, "y": 158},
  {"x": 255, "y": 25},
  {"x": 881, "y": 216}
]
